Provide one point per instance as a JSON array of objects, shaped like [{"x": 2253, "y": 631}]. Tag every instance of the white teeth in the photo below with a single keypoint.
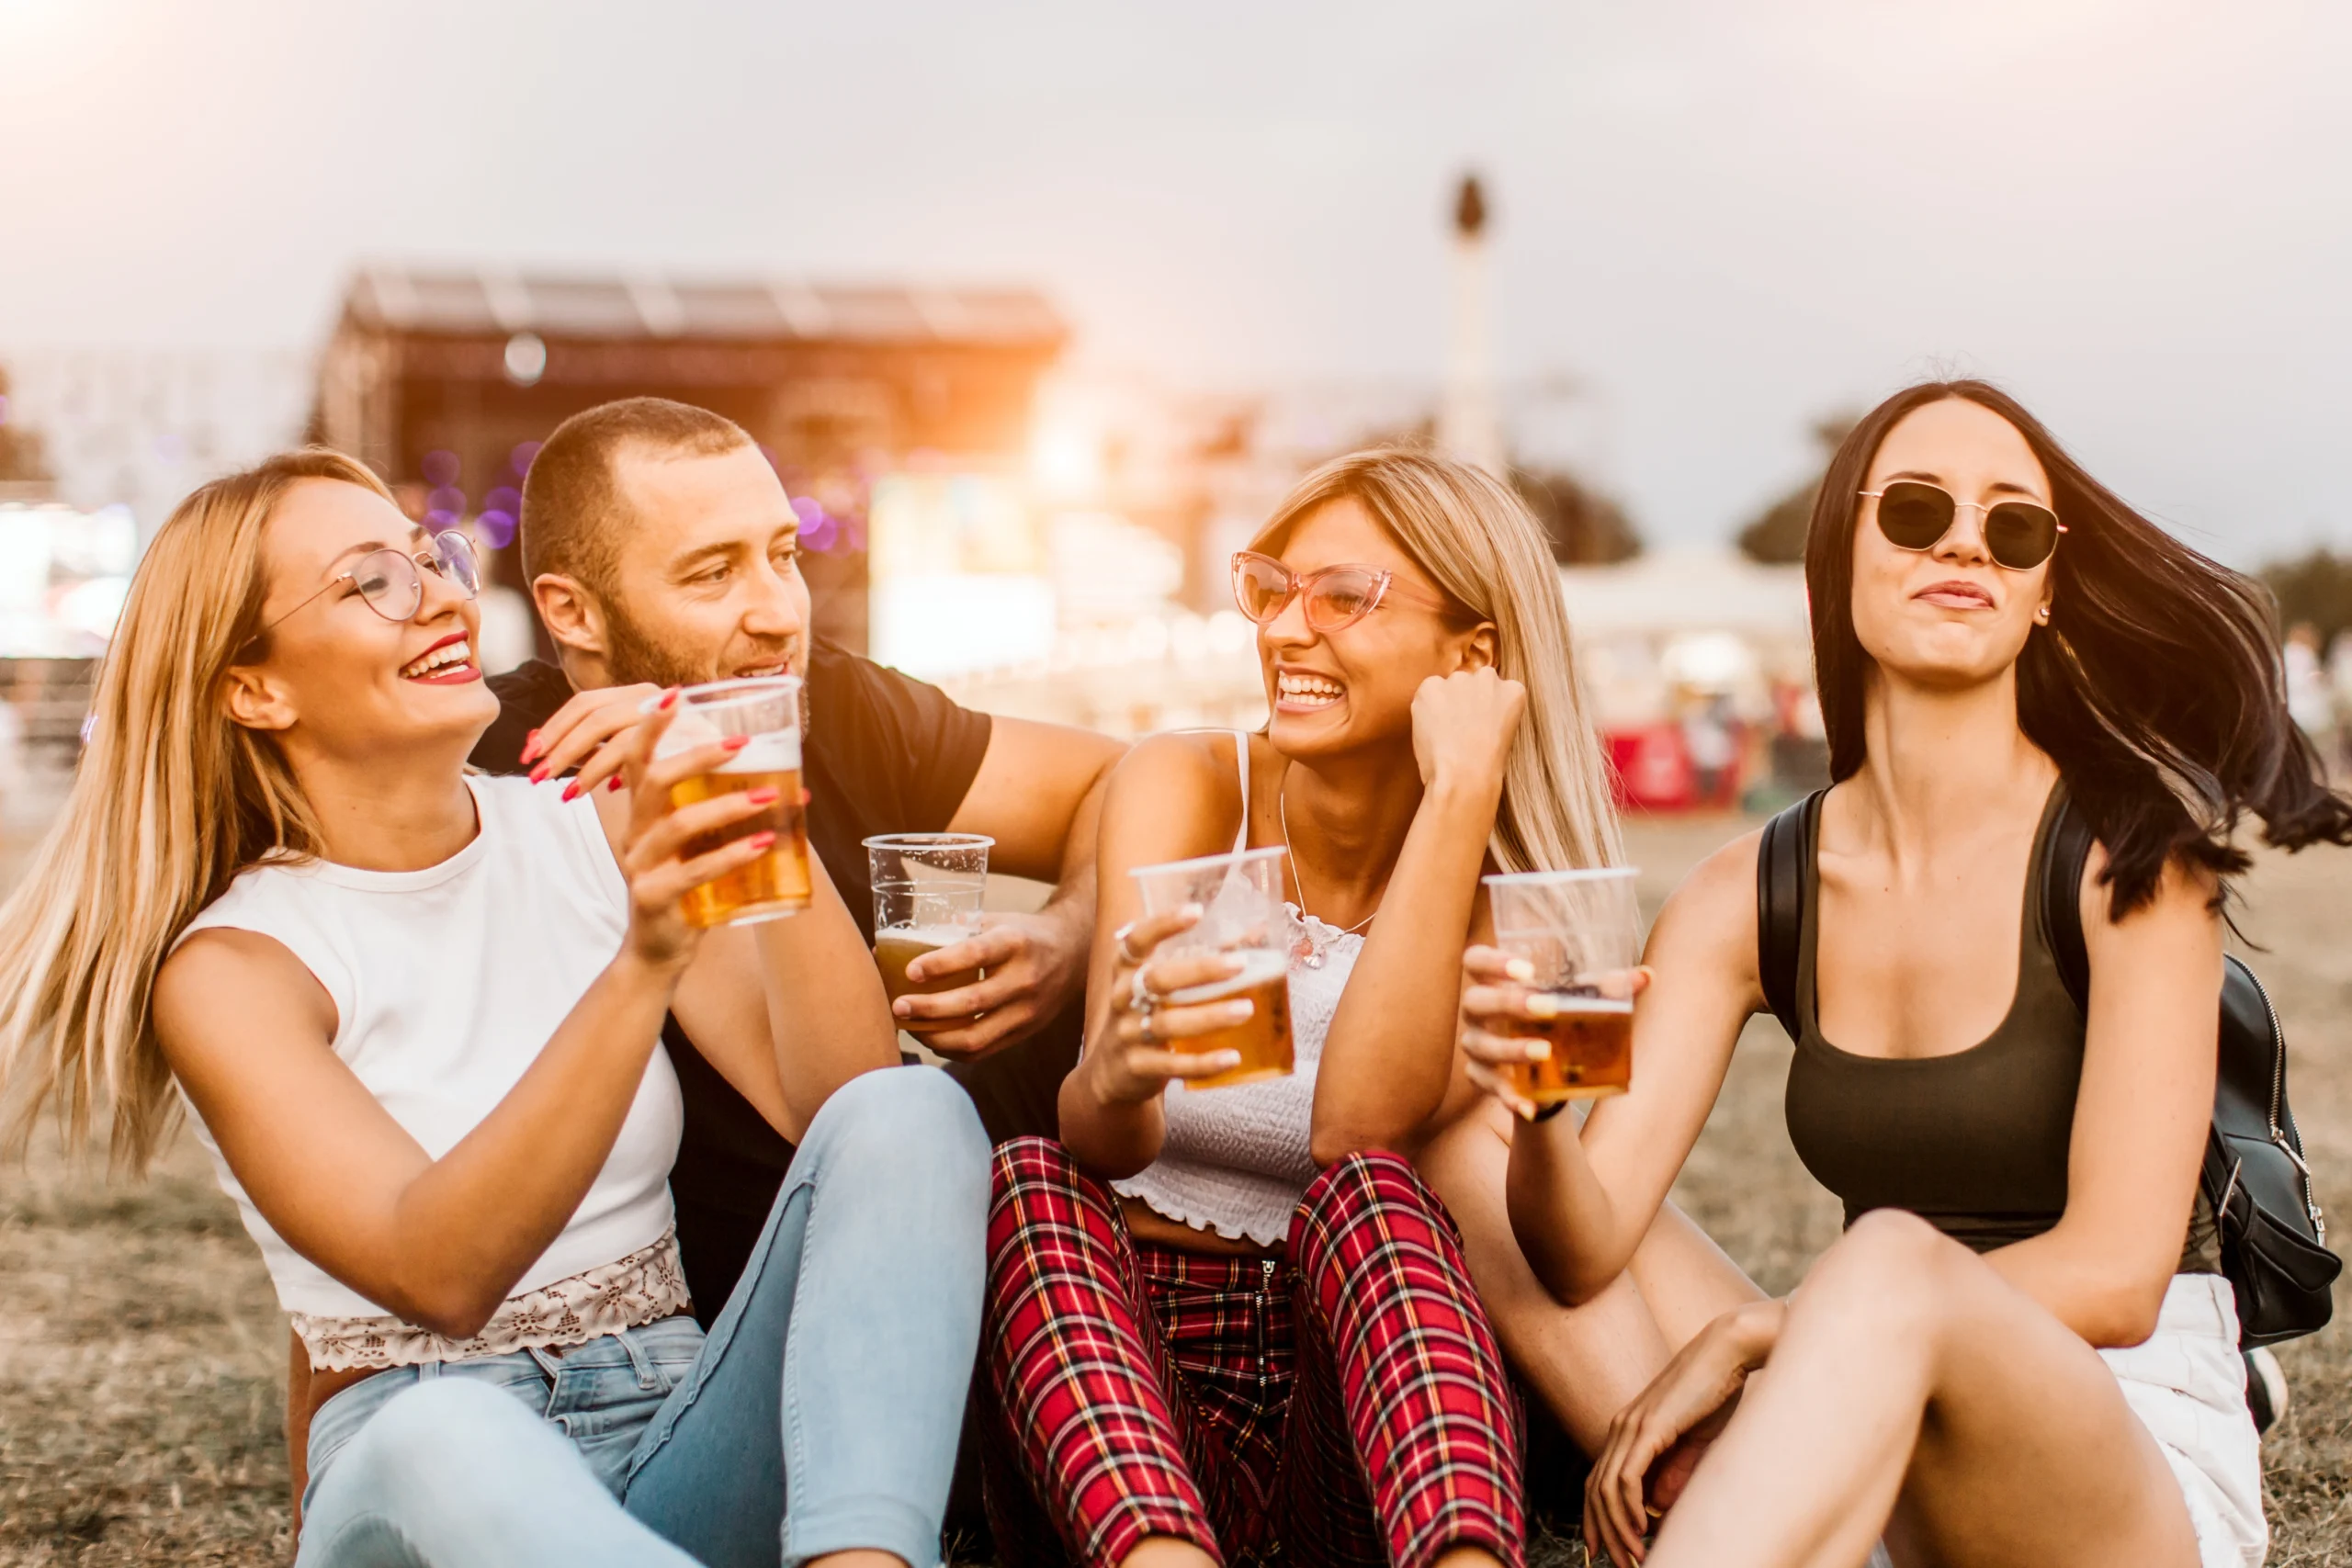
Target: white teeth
[
  {"x": 439, "y": 659},
  {"x": 1312, "y": 690}
]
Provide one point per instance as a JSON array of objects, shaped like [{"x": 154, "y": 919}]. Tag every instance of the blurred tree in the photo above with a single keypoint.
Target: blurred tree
[
  {"x": 1777, "y": 534},
  {"x": 2317, "y": 589},
  {"x": 1586, "y": 527},
  {"x": 20, "y": 453}
]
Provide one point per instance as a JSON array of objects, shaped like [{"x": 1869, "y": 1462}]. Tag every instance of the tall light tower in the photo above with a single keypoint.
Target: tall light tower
[{"x": 1469, "y": 423}]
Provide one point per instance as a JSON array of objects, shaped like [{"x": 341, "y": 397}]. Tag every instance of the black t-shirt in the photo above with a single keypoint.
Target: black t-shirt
[{"x": 885, "y": 754}]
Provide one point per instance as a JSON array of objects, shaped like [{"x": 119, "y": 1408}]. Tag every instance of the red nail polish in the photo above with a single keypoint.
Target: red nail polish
[
  {"x": 540, "y": 773},
  {"x": 762, "y": 841},
  {"x": 669, "y": 697},
  {"x": 760, "y": 797},
  {"x": 614, "y": 783},
  {"x": 736, "y": 743},
  {"x": 572, "y": 790},
  {"x": 530, "y": 745}
]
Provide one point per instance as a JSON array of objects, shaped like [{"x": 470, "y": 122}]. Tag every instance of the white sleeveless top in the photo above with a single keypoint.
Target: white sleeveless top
[
  {"x": 1236, "y": 1161},
  {"x": 448, "y": 983}
]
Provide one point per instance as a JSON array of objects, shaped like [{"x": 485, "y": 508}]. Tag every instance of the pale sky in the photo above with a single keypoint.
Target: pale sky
[{"x": 1721, "y": 216}]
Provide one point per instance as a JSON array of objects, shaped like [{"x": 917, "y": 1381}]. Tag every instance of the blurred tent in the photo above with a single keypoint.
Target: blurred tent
[
  {"x": 444, "y": 381},
  {"x": 1697, "y": 663}
]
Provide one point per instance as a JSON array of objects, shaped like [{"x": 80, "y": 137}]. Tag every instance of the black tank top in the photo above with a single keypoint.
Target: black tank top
[{"x": 1975, "y": 1142}]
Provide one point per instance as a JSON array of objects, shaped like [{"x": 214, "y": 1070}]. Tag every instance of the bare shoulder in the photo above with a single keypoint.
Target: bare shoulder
[
  {"x": 1713, "y": 913},
  {"x": 2187, "y": 899},
  {"x": 1174, "y": 790},
  {"x": 223, "y": 984}
]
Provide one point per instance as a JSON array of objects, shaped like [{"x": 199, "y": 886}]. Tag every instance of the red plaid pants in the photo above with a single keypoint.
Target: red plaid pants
[{"x": 1345, "y": 1406}]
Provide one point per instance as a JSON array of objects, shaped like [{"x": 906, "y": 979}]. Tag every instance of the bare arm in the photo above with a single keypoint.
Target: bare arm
[
  {"x": 1169, "y": 799},
  {"x": 1389, "y": 1060},
  {"x": 247, "y": 1031},
  {"x": 1039, "y": 795},
  {"x": 1582, "y": 1202},
  {"x": 2149, "y": 1060}
]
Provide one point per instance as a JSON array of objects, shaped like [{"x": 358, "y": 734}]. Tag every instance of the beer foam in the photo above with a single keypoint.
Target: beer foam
[
  {"x": 777, "y": 752},
  {"x": 933, "y": 936},
  {"x": 1570, "y": 1002},
  {"x": 1259, "y": 964}
]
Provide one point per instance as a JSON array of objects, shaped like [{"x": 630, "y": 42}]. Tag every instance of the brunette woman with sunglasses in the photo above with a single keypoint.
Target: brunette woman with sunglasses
[
  {"x": 2022, "y": 1349},
  {"x": 1223, "y": 1322},
  {"x": 417, "y": 1015}
]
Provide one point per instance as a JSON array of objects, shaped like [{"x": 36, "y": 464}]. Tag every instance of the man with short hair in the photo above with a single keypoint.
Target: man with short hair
[{"x": 662, "y": 551}]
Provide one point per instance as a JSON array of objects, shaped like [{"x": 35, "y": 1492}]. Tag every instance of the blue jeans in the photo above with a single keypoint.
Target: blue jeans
[{"x": 839, "y": 1366}]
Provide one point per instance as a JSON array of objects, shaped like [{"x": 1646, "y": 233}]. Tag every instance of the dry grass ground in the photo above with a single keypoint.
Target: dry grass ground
[{"x": 142, "y": 1357}]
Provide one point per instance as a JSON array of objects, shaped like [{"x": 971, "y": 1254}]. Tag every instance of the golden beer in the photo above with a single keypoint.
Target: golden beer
[
  {"x": 775, "y": 884},
  {"x": 1263, "y": 1039},
  {"x": 1592, "y": 1048},
  {"x": 896, "y": 948}
]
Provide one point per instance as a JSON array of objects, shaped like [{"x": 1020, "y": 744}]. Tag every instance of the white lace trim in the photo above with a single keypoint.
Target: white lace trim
[{"x": 645, "y": 1287}]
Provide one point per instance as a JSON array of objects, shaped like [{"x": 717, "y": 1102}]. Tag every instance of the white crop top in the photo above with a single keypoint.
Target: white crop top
[
  {"x": 1236, "y": 1161},
  {"x": 447, "y": 983}
]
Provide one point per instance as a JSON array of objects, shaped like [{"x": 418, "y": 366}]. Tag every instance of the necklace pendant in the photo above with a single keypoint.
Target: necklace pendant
[{"x": 1307, "y": 951}]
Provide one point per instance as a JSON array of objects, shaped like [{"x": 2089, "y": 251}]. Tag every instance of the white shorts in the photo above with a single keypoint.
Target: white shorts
[{"x": 2187, "y": 1383}]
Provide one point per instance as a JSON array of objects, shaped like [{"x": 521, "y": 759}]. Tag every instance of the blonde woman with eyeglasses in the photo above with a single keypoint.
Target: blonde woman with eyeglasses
[
  {"x": 417, "y": 1013},
  {"x": 1228, "y": 1320}
]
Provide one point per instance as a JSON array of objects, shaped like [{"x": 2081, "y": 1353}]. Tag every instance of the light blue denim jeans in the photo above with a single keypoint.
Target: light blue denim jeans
[{"x": 819, "y": 1414}]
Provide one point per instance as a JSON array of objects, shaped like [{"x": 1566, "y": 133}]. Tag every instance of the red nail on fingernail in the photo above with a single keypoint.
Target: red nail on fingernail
[
  {"x": 669, "y": 697},
  {"x": 614, "y": 783},
  {"x": 736, "y": 743},
  {"x": 760, "y": 797},
  {"x": 762, "y": 841},
  {"x": 572, "y": 790},
  {"x": 540, "y": 773}
]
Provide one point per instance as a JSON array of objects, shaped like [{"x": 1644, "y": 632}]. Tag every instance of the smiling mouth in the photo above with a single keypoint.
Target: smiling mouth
[
  {"x": 450, "y": 659},
  {"x": 1298, "y": 692}
]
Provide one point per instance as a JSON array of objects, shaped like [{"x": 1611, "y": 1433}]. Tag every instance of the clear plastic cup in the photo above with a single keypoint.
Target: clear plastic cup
[
  {"x": 1242, "y": 915},
  {"x": 767, "y": 709},
  {"x": 928, "y": 889},
  {"x": 1582, "y": 932}
]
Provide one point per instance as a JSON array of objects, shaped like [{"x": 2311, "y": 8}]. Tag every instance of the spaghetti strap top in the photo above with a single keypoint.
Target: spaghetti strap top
[
  {"x": 1975, "y": 1142},
  {"x": 1241, "y": 766},
  {"x": 1236, "y": 1161}
]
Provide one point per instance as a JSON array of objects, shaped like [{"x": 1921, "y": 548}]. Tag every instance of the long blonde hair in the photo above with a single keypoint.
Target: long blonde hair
[
  {"x": 1480, "y": 543},
  {"x": 172, "y": 800}
]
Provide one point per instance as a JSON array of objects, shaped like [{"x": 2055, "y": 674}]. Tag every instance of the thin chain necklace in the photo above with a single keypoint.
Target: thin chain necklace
[{"x": 1314, "y": 956}]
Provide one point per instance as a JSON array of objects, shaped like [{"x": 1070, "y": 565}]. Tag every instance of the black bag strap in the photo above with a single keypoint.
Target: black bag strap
[
  {"x": 2065, "y": 850},
  {"x": 1783, "y": 866}
]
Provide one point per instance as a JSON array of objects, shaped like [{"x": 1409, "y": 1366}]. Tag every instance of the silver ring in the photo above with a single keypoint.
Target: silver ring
[
  {"x": 1127, "y": 953},
  {"x": 1143, "y": 1003}
]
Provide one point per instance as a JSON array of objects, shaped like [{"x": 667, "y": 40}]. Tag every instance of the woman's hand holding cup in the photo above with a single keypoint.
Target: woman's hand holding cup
[
  {"x": 655, "y": 860},
  {"x": 1499, "y": 1004},
  {"x": 1136, "y": 1056}
]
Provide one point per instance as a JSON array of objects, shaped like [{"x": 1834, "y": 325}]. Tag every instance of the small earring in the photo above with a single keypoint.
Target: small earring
[{"x": 2041, "y": 616}]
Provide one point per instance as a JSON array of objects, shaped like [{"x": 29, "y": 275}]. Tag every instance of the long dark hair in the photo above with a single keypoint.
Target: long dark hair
[{"x": 2155, "y": 686}]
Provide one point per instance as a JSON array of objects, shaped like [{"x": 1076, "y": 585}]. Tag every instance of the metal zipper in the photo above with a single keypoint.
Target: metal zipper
[{"x": 2277, "y": 1103}]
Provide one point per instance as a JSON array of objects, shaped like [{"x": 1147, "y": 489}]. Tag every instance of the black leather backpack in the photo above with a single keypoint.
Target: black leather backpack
[{"x": 2272, "y": 1234}]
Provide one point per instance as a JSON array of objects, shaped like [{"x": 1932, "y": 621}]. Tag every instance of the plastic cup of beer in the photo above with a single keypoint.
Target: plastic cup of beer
[
  {"x": 1243, "y": 915},
  {"x": 927, "y": 893},
  {"x": 1582, "y": 932},
  {"x": 766, "y": 710}
]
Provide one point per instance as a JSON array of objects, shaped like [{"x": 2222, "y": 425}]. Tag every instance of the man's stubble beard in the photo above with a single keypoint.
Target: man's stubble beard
[{"x": 634, "y": 657}]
